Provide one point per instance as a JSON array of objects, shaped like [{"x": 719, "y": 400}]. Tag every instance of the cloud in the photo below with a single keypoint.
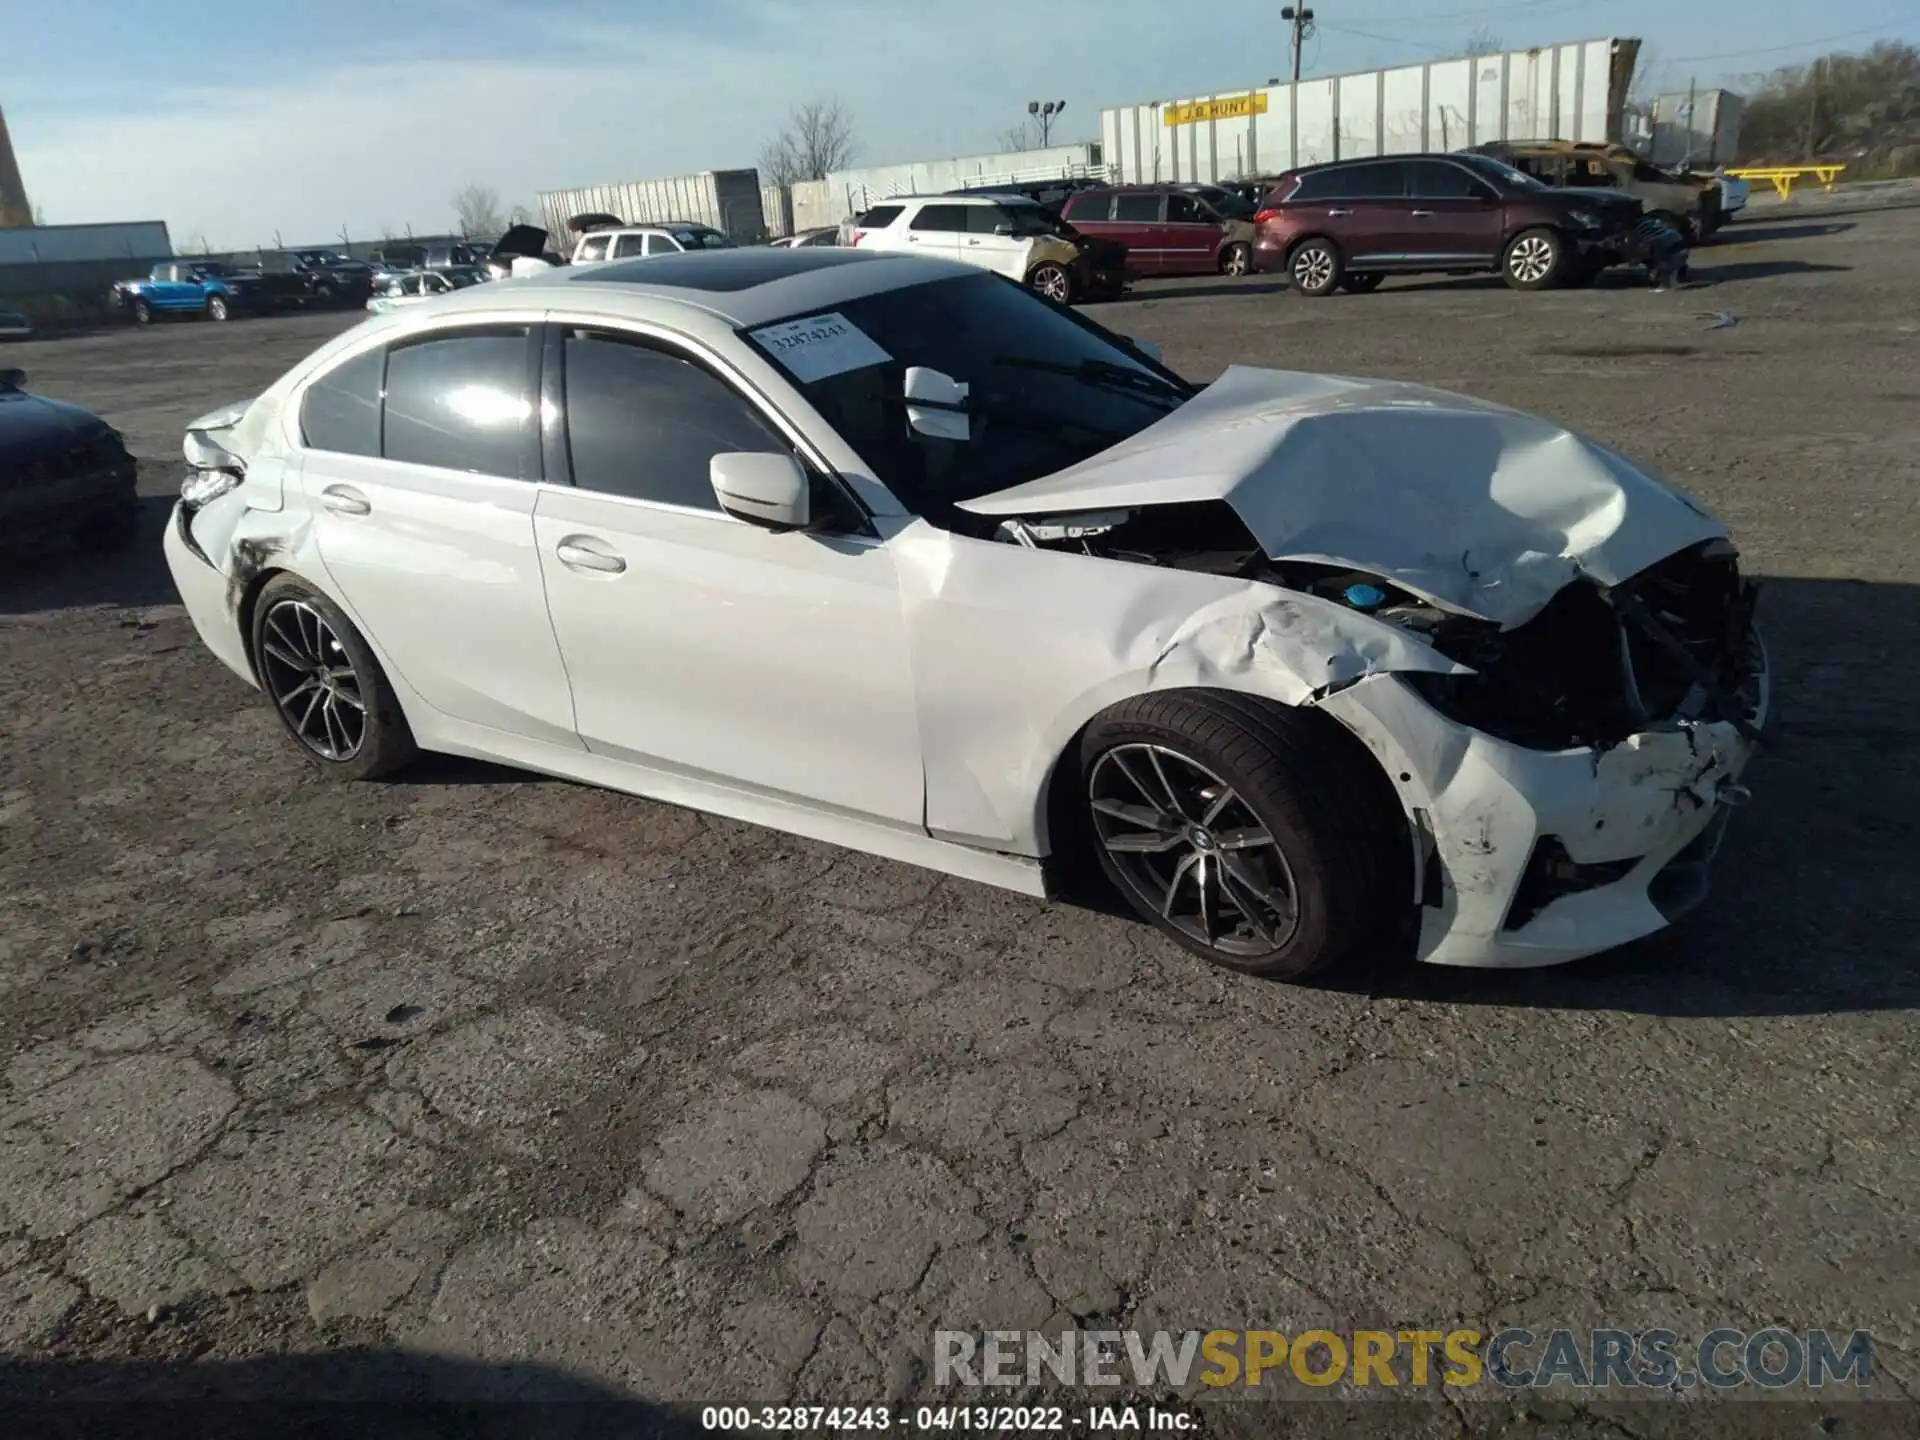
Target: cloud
[{"x": 375, "y": 143}]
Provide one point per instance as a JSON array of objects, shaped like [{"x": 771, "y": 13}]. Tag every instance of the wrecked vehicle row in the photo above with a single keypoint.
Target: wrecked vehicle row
[{"x": 893, "y": 554}]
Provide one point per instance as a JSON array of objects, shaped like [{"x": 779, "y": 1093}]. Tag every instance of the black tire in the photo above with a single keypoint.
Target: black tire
[
  {"x": 1053, "y": 281},
  {"x": 218, "y": 308},
  {"x": 1535, "y": 259},
  {"x": 1361, "y": 284},
  {"x": 142, "y": 311},
  {"x": 287, "y": 646},
  {"x": 1236, "y": 260},
  {"x": 1315, "y": 268},
  {"x": 1334, "y": 833}
]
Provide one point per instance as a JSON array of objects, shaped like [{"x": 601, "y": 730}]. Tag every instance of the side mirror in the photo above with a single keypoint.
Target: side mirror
[
  {"x": 1003, "y": 228},
  {"x": 13, "y": 379},
  {"x": 766, "y": 490},
  {"x": 1148, "y": 348},
  {"x": 936, "y": 404}
]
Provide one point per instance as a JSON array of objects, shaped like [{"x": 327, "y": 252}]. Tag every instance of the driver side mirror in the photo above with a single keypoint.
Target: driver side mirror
[
  {"x": 770, "y": 491},
  {"x": 936, "y": 404},
  {"x": 1003, "y": 228}
]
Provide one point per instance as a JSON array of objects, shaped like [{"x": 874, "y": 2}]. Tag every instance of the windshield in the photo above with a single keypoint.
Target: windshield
[
  {"x": 693, "y": 239},
  {"x": 1234, "y": 207},
  {"x": 1029, "y": 218},
  {"x": 1502, "y": 173},
  {"x": 1046, "y": 388}
]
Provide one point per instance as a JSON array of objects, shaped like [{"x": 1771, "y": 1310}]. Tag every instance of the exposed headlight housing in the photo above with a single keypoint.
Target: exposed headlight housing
[
  {"x": 202, "y": 487},
  {"x": 1585, "y": 219}
]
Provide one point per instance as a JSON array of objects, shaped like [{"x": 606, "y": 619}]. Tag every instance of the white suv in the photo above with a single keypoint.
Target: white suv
[
  {"x": 1010, "y": 236},
  {"x": 636, "y": 242}
]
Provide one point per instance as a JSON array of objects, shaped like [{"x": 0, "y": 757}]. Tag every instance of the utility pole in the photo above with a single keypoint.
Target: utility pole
[
  {"x": 1687, "y": 161},
  {"x": 1813, "y": 114},
  {"x": 1301, "y": 19}
]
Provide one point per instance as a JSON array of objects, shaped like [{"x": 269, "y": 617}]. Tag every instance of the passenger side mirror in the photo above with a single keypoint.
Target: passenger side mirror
[
  {"x": 766, "y": 490},
  {"x": 936, "y": 404}
]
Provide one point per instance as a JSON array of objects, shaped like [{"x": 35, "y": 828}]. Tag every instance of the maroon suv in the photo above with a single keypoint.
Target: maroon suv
[
  {"x": 1350, "y": 224},
  {"x": 1168, "y": 230}
]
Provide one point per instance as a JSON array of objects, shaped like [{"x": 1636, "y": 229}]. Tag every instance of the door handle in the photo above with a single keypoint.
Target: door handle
[
  {"x": 575, "y": 554},
  {"x": 913, "y": 239},
  {"x": 344, "y": 500},
  {"x": 1339, "y": 212},
  {"x": 1427, "y": 213},
  {"x": 973, "y": 242}
]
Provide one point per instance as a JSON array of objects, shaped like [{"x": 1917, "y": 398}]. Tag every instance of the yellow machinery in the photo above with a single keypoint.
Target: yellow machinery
[{"x": 1783, "y": 176}]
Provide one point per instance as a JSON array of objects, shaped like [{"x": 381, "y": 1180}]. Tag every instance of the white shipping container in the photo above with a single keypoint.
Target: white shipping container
[
  {"x": 118, "y": 240},
  {"x": 851, "y": 191},
  {"x": 1575, "y": 91},
  {"x": 1704, "y": 135},
  {"x": 728, "y": 200}
]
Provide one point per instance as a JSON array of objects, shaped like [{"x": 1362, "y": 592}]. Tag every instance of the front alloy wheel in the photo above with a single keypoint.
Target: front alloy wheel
[
  {"x": 1189, "y": 847},
  {"x": 1533, "y": 261},
  {"x": 1052, "y": 281},
  {"x": 217, "y": 308}
]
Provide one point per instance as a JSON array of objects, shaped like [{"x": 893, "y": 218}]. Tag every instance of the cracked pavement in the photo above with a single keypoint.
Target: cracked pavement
[{"x": 512, "y": 1070}]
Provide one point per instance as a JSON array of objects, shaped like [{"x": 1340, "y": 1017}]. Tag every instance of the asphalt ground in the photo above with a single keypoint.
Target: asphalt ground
[{"x": 302, "y": 1082}]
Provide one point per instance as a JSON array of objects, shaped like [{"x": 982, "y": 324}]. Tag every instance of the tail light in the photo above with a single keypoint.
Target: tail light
[
  {"x": 858, "y": 236},
  {"x": 1261, "y": 217}
]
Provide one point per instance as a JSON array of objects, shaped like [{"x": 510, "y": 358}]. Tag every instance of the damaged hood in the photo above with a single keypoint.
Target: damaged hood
[{"x": 1477, "y": 508}]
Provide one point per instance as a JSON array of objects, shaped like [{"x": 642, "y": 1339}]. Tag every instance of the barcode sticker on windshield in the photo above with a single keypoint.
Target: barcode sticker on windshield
[{"x": 819, "y": 346}]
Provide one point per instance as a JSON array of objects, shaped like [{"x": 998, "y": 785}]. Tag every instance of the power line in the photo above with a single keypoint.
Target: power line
[
  {"x": 1879, "y": 29},
  {"x": 1390, "y": 39},
  {"x": 1469, "y": 14}
]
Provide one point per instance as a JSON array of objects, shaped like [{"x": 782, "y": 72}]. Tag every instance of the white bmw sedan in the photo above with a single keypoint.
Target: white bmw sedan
[{"x": 894, "y": 554}]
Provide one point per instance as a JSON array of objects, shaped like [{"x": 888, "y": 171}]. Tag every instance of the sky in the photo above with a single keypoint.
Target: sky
[{"x": 234, "y": 120}]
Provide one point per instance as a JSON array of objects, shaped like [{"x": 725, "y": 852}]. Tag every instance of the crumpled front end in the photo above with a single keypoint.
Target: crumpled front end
[{"x": 1567, "y": 796}]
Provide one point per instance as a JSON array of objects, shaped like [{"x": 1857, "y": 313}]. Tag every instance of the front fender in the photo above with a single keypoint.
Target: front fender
[{"x": 1014, "y": 650}]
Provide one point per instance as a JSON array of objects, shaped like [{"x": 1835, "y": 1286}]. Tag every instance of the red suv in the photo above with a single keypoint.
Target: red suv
[
  {"x": 1167, "y": 230},
  {"x": 1350, "y": 224}
]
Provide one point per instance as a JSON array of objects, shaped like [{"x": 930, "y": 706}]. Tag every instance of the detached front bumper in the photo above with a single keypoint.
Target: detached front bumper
[{"x": 1526, "y": 857}]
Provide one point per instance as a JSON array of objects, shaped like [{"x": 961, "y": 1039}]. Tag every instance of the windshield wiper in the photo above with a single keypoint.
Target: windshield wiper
[{"x": 1107, "y": 374}]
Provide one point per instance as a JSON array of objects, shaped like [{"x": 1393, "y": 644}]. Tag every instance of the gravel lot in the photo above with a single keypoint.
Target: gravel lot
[{"x": 527, "y": 1074}]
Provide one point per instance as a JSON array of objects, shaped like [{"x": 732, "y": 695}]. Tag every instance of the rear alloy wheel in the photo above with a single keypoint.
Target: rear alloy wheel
[
  {"x": 1315, "y": 268},
  {"x": 217, "y": 308},
  {"x": 1361, "y": 284},
  {"x": 329, "y": 691},
  {"x": 1535, "y": 260},
  {"x": 1248, "y": 832},
  {"x": 1236, "y": 260},
  {"x": 1052, "y": 281}
]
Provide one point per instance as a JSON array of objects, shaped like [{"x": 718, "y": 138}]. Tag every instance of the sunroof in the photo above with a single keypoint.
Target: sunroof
[{"x": 722, "y": 270}]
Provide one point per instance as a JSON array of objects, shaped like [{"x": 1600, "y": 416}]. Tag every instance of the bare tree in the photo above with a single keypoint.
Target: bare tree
[
  {"x": 1021, "y": 137},
  {"x": 476, "y": 210},
  {"x": 522, "y": 214},
  {"x": 1482, "y": 42},
  {"x": 818, "y": 139}
]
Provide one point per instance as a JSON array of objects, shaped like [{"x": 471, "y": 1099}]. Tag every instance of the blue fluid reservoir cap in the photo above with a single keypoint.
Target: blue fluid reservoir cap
[{"x": 1365, "y": 597}]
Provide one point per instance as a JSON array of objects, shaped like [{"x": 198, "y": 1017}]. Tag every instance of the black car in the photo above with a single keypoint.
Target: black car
[
  {"x": 335, "y": 279},
  {"x": 65, "y": 473}
]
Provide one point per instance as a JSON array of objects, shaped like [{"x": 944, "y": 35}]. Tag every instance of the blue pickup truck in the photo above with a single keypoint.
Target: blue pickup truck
[{"x": 208, "y": 288}]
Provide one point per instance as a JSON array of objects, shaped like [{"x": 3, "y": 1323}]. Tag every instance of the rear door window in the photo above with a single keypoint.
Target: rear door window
[
  {"x": 340, "y": 412},
  {"x": 462, "y": 400},
  {"x": 943, "y": 218},
  {"x": 627, "y": 247},
  {"x": 1137, "y": 208}
]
